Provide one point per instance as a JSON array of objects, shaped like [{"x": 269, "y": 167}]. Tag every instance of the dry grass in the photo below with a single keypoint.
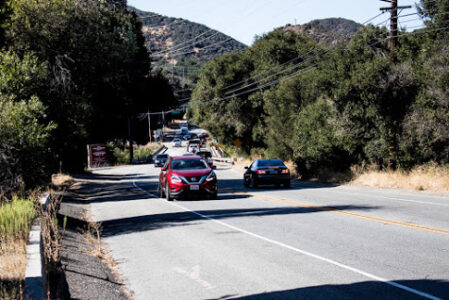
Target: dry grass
[
  {"x": 423, "y": 178},
  {"x": 13, "y": 261},
  {"x": 61, "y": 180},
  {"x": 94, "y": 239}
]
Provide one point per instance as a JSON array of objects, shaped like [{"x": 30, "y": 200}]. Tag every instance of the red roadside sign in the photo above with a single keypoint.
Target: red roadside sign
[{"x": 97, "y": 156}]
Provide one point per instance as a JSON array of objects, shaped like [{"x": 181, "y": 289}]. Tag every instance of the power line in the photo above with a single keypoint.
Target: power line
[
  {"x": 203, "y": 48},
  {"x": 192, "y": 39},
  {"x": 176, "y": 50},
  {"x": 299, "y": 72}
]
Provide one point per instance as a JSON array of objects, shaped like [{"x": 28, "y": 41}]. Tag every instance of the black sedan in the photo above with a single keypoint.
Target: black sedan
[
  {"x": 160, "y": 160},
  {"x": 190, "y": 136},
  {"x": 266, "y": 171}
]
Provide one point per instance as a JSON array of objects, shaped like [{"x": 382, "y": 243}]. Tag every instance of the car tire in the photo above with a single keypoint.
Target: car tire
[
  {"x": 167, "y": 193},
  {"x": 161, "y": 191},
  {"x": 213, "y": 196},
  {"x": 287, "y": 184},
  {"x": 245, "y": 182},
  {"x": 253, "y": 183}
]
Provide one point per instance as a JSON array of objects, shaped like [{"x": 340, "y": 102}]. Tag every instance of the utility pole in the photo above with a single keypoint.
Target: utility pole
[
  {"x": 130, "y": 137},
  {"x": 393, "y": 9},
  {"x": 149, "y": 127}
]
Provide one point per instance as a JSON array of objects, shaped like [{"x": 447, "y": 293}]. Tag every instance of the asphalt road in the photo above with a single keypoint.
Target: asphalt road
[{"x": 310, "y": 241}]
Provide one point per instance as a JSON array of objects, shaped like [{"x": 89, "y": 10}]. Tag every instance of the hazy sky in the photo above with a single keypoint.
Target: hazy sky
[{"x": 243, "y": 19}]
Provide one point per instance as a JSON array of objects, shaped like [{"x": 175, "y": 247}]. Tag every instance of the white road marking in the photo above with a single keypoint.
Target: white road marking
[
  {"x": 355, "y": 194},
  {"x": 195, "y": 276},
  {"x": 379, "y": 196},
  {"x": 318, "y": 257}
]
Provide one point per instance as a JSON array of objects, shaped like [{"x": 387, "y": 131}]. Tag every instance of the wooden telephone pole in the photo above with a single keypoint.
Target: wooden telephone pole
[{"x": 393, "y": 9}]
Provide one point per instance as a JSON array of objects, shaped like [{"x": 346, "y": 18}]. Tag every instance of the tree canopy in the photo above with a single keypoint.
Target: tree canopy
[
  {"x": 327, "y": 107},
  {"x": 81, "y": 66}
]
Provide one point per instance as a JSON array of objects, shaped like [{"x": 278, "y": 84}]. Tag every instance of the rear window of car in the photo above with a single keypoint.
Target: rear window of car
[
  {"x": 270, "y": 163},
  {"x": 188, "y": 164},
  {"x": 204, "y": 154}
]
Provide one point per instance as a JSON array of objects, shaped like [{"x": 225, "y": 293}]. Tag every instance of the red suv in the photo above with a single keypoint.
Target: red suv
[{"x": 184, "y": 175}]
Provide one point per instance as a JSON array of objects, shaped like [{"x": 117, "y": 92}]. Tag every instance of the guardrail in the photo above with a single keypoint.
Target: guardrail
[
  {"x": 35, "y": 287},
  {"x": 158, "y": 150},
  {"x": 224, "y": 160}
]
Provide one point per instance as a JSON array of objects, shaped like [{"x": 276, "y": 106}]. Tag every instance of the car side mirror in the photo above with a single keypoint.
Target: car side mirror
[
  {"x": 246, "y": 168},
  {"x": 164, "y": 169}
]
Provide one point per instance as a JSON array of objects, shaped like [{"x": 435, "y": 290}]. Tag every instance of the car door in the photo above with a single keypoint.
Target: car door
[{"x": 247, "y": 174}]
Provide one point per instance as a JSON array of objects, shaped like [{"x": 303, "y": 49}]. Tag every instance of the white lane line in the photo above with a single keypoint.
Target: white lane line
[
  {"x": 356, "y": 194},
  {"x": 318, "y": 257}
]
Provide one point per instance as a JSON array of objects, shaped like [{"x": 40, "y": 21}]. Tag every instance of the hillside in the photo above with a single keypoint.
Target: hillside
[
  {"x": 328, "y": 31},
  {"x": 181, "y": 43}
]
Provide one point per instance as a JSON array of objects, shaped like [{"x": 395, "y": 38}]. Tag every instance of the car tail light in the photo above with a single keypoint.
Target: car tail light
[
  {"x": 285, "y": 171},
  {"x": 261, "y": 172}
]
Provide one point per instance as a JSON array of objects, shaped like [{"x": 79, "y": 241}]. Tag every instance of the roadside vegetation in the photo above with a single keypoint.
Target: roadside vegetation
[
  {"x": 332, "y": 109},
  {"x": 141, "y": 153},
  {"x": 16, "y": 219},
  {"x": 71, "y": 73},
  {"x": 430, "y": 177}
]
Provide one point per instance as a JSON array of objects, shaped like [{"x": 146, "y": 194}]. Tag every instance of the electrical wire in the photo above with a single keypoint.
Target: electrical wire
[
  {"x": 176, "y": 50},
  {"x": 295, "y": 73}
]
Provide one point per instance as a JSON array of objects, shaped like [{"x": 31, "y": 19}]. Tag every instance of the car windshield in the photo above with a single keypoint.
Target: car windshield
[
  {"x": 162, "y": 156},
  {"x": 270, "y": 163},
  {"x": 188, "y": 164},
  {"x": 205, "y": 154}
]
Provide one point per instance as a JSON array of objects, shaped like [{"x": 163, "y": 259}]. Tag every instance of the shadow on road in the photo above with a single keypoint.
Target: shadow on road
[
  {"x": 360, "y": 290},
  {"x": 158, "y": 221},
  {"x": 237, "y": 185}
]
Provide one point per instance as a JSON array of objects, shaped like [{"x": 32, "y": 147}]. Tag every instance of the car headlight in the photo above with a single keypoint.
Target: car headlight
[
  {"x": 211, "y": 176},
  {"x": 175, "y": 178}
]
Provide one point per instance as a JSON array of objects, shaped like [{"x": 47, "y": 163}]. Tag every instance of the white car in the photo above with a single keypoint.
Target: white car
[{"x": 177, "y": 143}]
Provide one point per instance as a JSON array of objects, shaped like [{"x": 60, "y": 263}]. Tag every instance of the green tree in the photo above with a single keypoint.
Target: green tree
[
  {"x": 98, "y": 69},
  {"x": 24, "y": 136},
  {"x": 318, "y": 139}
]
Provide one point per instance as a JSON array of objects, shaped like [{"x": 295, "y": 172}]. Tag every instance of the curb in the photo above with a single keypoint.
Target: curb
[{"x": 34, "y": 272}]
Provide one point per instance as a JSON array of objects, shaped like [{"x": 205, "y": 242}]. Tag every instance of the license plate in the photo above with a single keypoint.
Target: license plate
[{"x": 194, "y": 187}]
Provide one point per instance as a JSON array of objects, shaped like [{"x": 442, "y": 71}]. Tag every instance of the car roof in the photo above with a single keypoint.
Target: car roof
[{"x": 186, "y": 157}]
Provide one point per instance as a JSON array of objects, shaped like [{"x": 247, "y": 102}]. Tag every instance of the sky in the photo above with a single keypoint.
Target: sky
[{"x": 244, "y": 19}]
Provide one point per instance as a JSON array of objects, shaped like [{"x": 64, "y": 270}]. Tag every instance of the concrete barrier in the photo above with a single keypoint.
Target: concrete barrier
[
  {"x": 224, "y": 160},
  {"x": 35, "y": 285},
  {"x": 158, "y": 151}
]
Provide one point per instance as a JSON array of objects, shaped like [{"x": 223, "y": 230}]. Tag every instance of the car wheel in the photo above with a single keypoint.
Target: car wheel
[
  {"x": 161, "y": 191},
  {"x": 287, "y": 184},
  {"x": 213, "y": 196},
  {"x": 253, "y": 182},
  {"x": 245, "y": 182},
  {"x": 167, "y": 193}
]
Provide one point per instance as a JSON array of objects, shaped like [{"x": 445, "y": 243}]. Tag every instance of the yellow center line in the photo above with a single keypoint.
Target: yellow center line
[{"x": 338, "y": 211}]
